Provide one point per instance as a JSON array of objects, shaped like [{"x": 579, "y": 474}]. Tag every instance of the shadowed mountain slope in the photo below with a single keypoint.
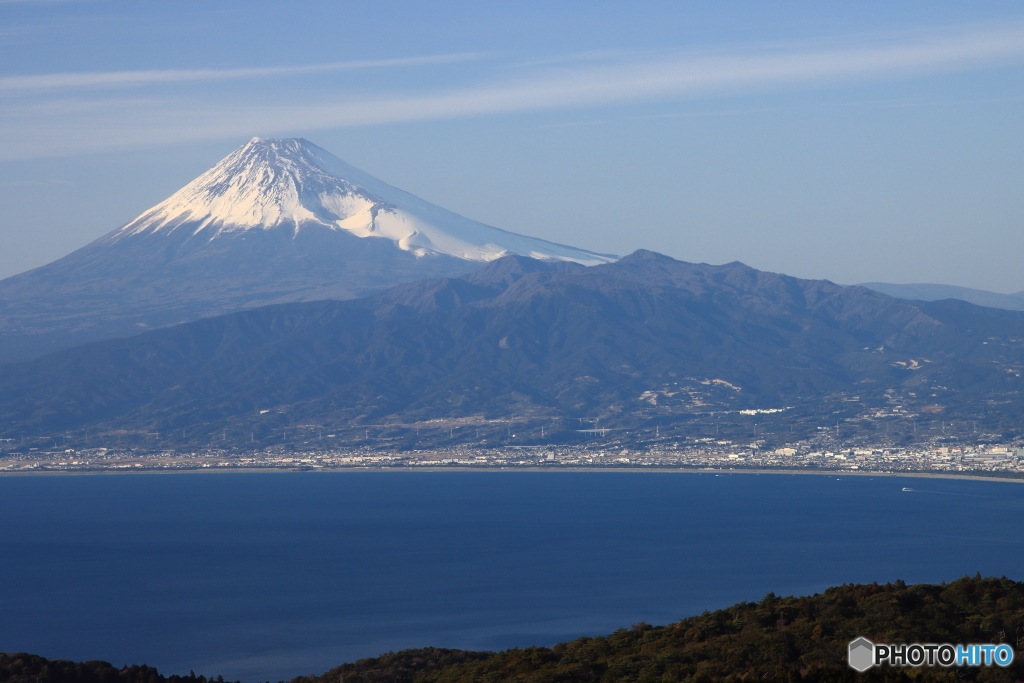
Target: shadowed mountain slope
[{"x": 644, "y": 336}]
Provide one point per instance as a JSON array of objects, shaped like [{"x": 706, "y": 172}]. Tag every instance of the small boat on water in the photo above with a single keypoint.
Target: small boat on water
[{"x": 907, "y": 489}]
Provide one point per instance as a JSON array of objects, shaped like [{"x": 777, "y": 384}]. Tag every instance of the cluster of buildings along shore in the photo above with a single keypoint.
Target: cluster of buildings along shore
[{"x": 714, "y": 455}]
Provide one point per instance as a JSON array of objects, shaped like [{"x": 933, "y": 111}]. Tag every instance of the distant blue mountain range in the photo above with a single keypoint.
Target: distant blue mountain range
[{"x": 933, "y": 292}]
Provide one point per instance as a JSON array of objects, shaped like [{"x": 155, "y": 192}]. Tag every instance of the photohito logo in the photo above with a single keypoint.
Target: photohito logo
[{"x": 863, "y": 654}]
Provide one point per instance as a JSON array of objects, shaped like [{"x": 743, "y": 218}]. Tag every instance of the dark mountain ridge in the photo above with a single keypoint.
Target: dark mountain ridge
[{"x": 624, "y": 342}]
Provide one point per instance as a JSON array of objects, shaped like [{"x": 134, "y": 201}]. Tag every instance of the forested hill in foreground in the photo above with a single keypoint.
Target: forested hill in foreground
[{"x": 776, "y": 639}]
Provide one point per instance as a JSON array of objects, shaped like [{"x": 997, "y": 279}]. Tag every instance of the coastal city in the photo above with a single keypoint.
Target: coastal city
[{"x": 989, "y": 460}]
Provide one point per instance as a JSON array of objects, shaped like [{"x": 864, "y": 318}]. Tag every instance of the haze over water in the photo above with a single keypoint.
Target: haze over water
[{"x": 269, "y": 576}]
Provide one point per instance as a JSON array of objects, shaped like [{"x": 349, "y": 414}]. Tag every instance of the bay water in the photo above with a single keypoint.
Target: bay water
[{"x": 267, "y": 576}]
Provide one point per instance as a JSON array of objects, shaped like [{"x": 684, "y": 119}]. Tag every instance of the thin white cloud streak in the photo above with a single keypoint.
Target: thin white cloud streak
[
  {"x": 48, "y": 128},
  {"x": 588, "y": 56},
  {"x": 158, "y": 76},
  {"x": 644, "y": 82}
]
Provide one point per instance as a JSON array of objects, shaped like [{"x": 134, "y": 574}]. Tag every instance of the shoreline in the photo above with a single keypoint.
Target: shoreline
[{"x": 538, "y": 470}]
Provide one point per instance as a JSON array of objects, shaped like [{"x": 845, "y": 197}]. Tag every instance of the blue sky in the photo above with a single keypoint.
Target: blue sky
[{"x": 855, "y": 142}]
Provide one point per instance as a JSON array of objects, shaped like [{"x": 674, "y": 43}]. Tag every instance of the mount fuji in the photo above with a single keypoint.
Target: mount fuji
[{"x": 275, "y": 221}]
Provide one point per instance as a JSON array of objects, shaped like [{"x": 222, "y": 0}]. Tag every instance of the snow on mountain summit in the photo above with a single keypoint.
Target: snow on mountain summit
[{"x": 269, "y": 183}]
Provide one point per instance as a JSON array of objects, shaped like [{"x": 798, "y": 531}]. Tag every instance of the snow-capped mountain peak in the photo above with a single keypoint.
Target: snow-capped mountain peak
[{"x": 292, "y": 183}]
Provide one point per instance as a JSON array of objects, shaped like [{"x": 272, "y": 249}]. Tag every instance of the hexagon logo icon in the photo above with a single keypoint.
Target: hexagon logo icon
[{"x": 861, "y": 654}]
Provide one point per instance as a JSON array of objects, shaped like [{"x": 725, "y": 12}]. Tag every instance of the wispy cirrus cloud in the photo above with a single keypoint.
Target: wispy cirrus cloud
[
  {"x": 64, "y": 81},
  {"x": 49, "y": 126},
  {"x": 588, "y": 56}
]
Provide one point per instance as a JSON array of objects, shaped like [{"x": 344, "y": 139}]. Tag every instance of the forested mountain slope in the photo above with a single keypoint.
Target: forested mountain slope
[{"x": 644, "y": 337}]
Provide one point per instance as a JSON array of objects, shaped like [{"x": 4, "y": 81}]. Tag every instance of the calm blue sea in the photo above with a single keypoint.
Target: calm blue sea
[{"x": 269, "y": 576}]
